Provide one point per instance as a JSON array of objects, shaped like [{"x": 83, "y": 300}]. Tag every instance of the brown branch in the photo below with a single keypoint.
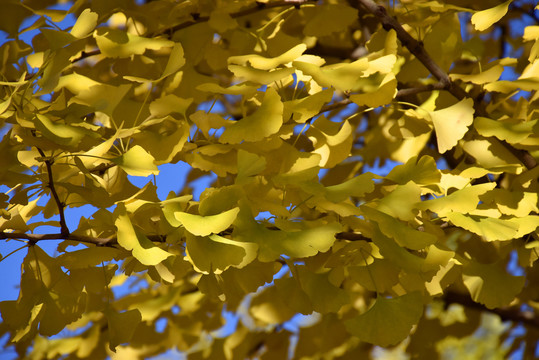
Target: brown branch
[
  {"x": 416, "y": 90},
  {"x": 506, "y": 314},
  {"x": 417, "y": 49},
  {"x": 48, "y": 163},
  {"x": 99, "y": 241},
  {"x": 260, "y": 6},
  {"x": 197, "y": 19},
  {"x": 414, "y": 46}
]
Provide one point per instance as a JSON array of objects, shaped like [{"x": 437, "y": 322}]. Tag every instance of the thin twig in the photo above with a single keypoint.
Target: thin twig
[
  {"x": 512, "y": 314},
  {"x": 417, "y": 49},
  {"x": 48, "y": 163},
  {"x": 260, "y": 6}
]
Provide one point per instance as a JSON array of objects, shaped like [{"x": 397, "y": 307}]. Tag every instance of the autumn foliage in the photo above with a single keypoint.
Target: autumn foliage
[{"x": 372, "y": 165}]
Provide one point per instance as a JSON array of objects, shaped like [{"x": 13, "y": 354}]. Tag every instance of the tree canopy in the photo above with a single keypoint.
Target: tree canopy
[{"x": 372, "y": 167}]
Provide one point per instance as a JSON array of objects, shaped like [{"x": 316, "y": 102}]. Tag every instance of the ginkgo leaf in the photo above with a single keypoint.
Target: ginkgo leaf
[
  {"x": 175, "y": 61},
  {"x": 259, "y": 76},
  {"x": 330, "y": 18},
  {"x": 130, "y": 239},
  {"x": 462, "y": 201},
  {"x": 421, "y": 171},
  {"x": 345, "y": 77},
  {"x": 205, "y": 225},
  {"x": 263, "y": 63},
  {"x": 215, "y": 254},
  {"x": 401, "y": 312},
  {"x": 324, "y": 296},
  {"x": 222, "y": 21},
  {"x": 490, "y": 284},
  {"x": 495, "y": 229},
  {"x": 265, "y": 121},
  {"x": 403, "y": 234},
  {"x": 308, "y": 242},
  {"x": 85, "y": 24},
  {"x": 121, "y": 326},
  {"x": 511, "y": 132},
  {"x": 119, "y": 44},
  {"x": 305, "y": 108},
  {"x": 452, "y": 123},
  {"x": 383, "y": 95},
  {"x": 484, "y": 19},
  {"x": 249, "y": 164},
  {"x": 401, "y": 202},
  {"x": 487, "y": 76},
  {"x": 356, "y": 186},
  {"x": 137, "y": 162},
  {"x": 62, "y": 134}
]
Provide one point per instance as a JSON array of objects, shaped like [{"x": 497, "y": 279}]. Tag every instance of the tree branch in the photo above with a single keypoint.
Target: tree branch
[
  {"x": 506, "y": 314},
  {"x": 417, "y": 49},
  {"x": 258, "y": 7},
  {"x": 48, "y": 163}
]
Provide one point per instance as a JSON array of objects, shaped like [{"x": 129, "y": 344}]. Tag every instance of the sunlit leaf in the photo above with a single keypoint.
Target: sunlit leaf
[
  {"x": 452, "y": 123},
  {"x": 85, "y": 24},
  {"x": 130, "y": 239},
  {"x": 265, "y": 121},
  {"x": 482, "y": 20},
  {"x": 215, "y": 254},
  {"x": 205, "y": 225},
  {"x": 137, "y": 162},
  {"x": 117, "y": 44}
]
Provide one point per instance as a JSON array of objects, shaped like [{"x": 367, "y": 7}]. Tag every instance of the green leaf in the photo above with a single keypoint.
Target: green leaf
[
  {"x": 452, "y": 123},
  {"x": 388, "y": 321},
  {"x": 130, "y": 239},
  {"x": 265, "y": 121},
  {"x": 215, "y": 254},
  {"x": 490, "y": 284},
  {"x": 137, "y": 162},
  {"x": 482, "y": 20},
  {"x": 205, "y": 225}
]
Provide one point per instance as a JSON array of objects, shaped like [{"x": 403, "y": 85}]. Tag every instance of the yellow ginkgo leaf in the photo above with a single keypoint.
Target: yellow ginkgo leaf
[
  {"x": 137, "y": 162},
  {"x": 215, "y": 254},
  {"x": 452, "y": 123},
  {"x": 264, "y": 63},
  {"x": 265, "y": 121},
  {"x": 482, "y": 20},
  {"x": 84, "y": 24},
  {"x": 119, "y": 44},
  {"x": 205, "y": 225},
  {"x": 130, "y": 239}
]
